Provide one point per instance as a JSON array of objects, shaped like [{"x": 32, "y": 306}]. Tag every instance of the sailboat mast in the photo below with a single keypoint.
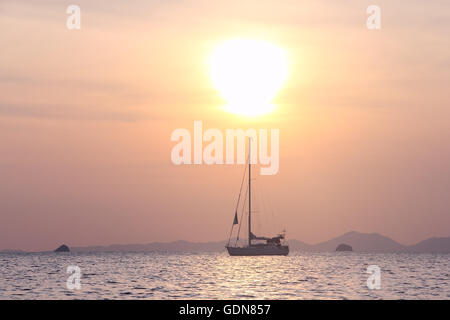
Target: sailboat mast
[{"x": 249, "y": 192}]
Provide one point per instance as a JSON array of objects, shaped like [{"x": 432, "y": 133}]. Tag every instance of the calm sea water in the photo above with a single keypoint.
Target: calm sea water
[{"x": 218, "y": 276}]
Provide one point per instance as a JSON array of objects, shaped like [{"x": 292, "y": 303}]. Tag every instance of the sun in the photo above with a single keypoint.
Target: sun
[{"x": 248, "y": 74}]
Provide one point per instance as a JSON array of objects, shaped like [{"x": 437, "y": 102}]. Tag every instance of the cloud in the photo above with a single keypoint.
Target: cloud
[{"x": 60, "y": 112}]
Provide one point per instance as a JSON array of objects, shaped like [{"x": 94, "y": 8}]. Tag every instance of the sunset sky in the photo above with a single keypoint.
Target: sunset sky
[{"x": 86, "y": 118}]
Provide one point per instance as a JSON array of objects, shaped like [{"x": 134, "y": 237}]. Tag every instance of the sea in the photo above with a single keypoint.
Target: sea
[{"x": 159, "y": 275}]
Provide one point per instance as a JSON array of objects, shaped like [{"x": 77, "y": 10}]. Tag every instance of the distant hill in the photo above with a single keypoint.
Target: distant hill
[
  {"x": 12, "y": 251},
  {"x": 432, "y": 245},
  {"x": 360, "y": 242},
  {"x": 175, "y": 246},
  {"x": 297, "y": 245}
]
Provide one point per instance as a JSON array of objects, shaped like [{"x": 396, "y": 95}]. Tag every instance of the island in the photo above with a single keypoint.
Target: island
[
  {"x": 344, "y": 247},
  {"x": 63, "y": 248}
]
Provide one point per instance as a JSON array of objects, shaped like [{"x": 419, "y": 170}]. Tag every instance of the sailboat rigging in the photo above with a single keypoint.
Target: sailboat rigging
[{"x": 272, "y": 246}]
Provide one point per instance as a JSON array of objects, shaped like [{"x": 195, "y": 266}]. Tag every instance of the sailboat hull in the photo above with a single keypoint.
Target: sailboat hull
[{"x": 259, "y": 250}]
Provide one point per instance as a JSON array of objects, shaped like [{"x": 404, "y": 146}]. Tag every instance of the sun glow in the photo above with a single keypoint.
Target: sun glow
[{"x": 248, "y": 74}]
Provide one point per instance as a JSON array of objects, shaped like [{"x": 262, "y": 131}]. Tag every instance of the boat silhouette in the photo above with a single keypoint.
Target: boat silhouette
[{"x": 272, "y": 246}]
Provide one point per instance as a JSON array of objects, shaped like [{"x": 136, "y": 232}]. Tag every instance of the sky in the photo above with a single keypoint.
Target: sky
[{"x": 86, "y": 118}]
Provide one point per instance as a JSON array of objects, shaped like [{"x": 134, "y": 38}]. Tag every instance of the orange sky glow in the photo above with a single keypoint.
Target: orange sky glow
[{"x": 86, "y": 118}]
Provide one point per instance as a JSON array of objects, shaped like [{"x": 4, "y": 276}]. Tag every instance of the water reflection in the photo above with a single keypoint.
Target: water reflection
[{"x": 219, "y": 276}]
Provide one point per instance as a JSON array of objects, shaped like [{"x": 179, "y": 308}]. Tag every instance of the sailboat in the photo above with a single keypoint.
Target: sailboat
[{"x": 272, "y": 246}]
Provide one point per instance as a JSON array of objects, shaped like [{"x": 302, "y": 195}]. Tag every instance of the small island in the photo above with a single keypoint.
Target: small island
[
  {"x": 344, "y": 247},
  {"x": 63, "y": 248}
]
